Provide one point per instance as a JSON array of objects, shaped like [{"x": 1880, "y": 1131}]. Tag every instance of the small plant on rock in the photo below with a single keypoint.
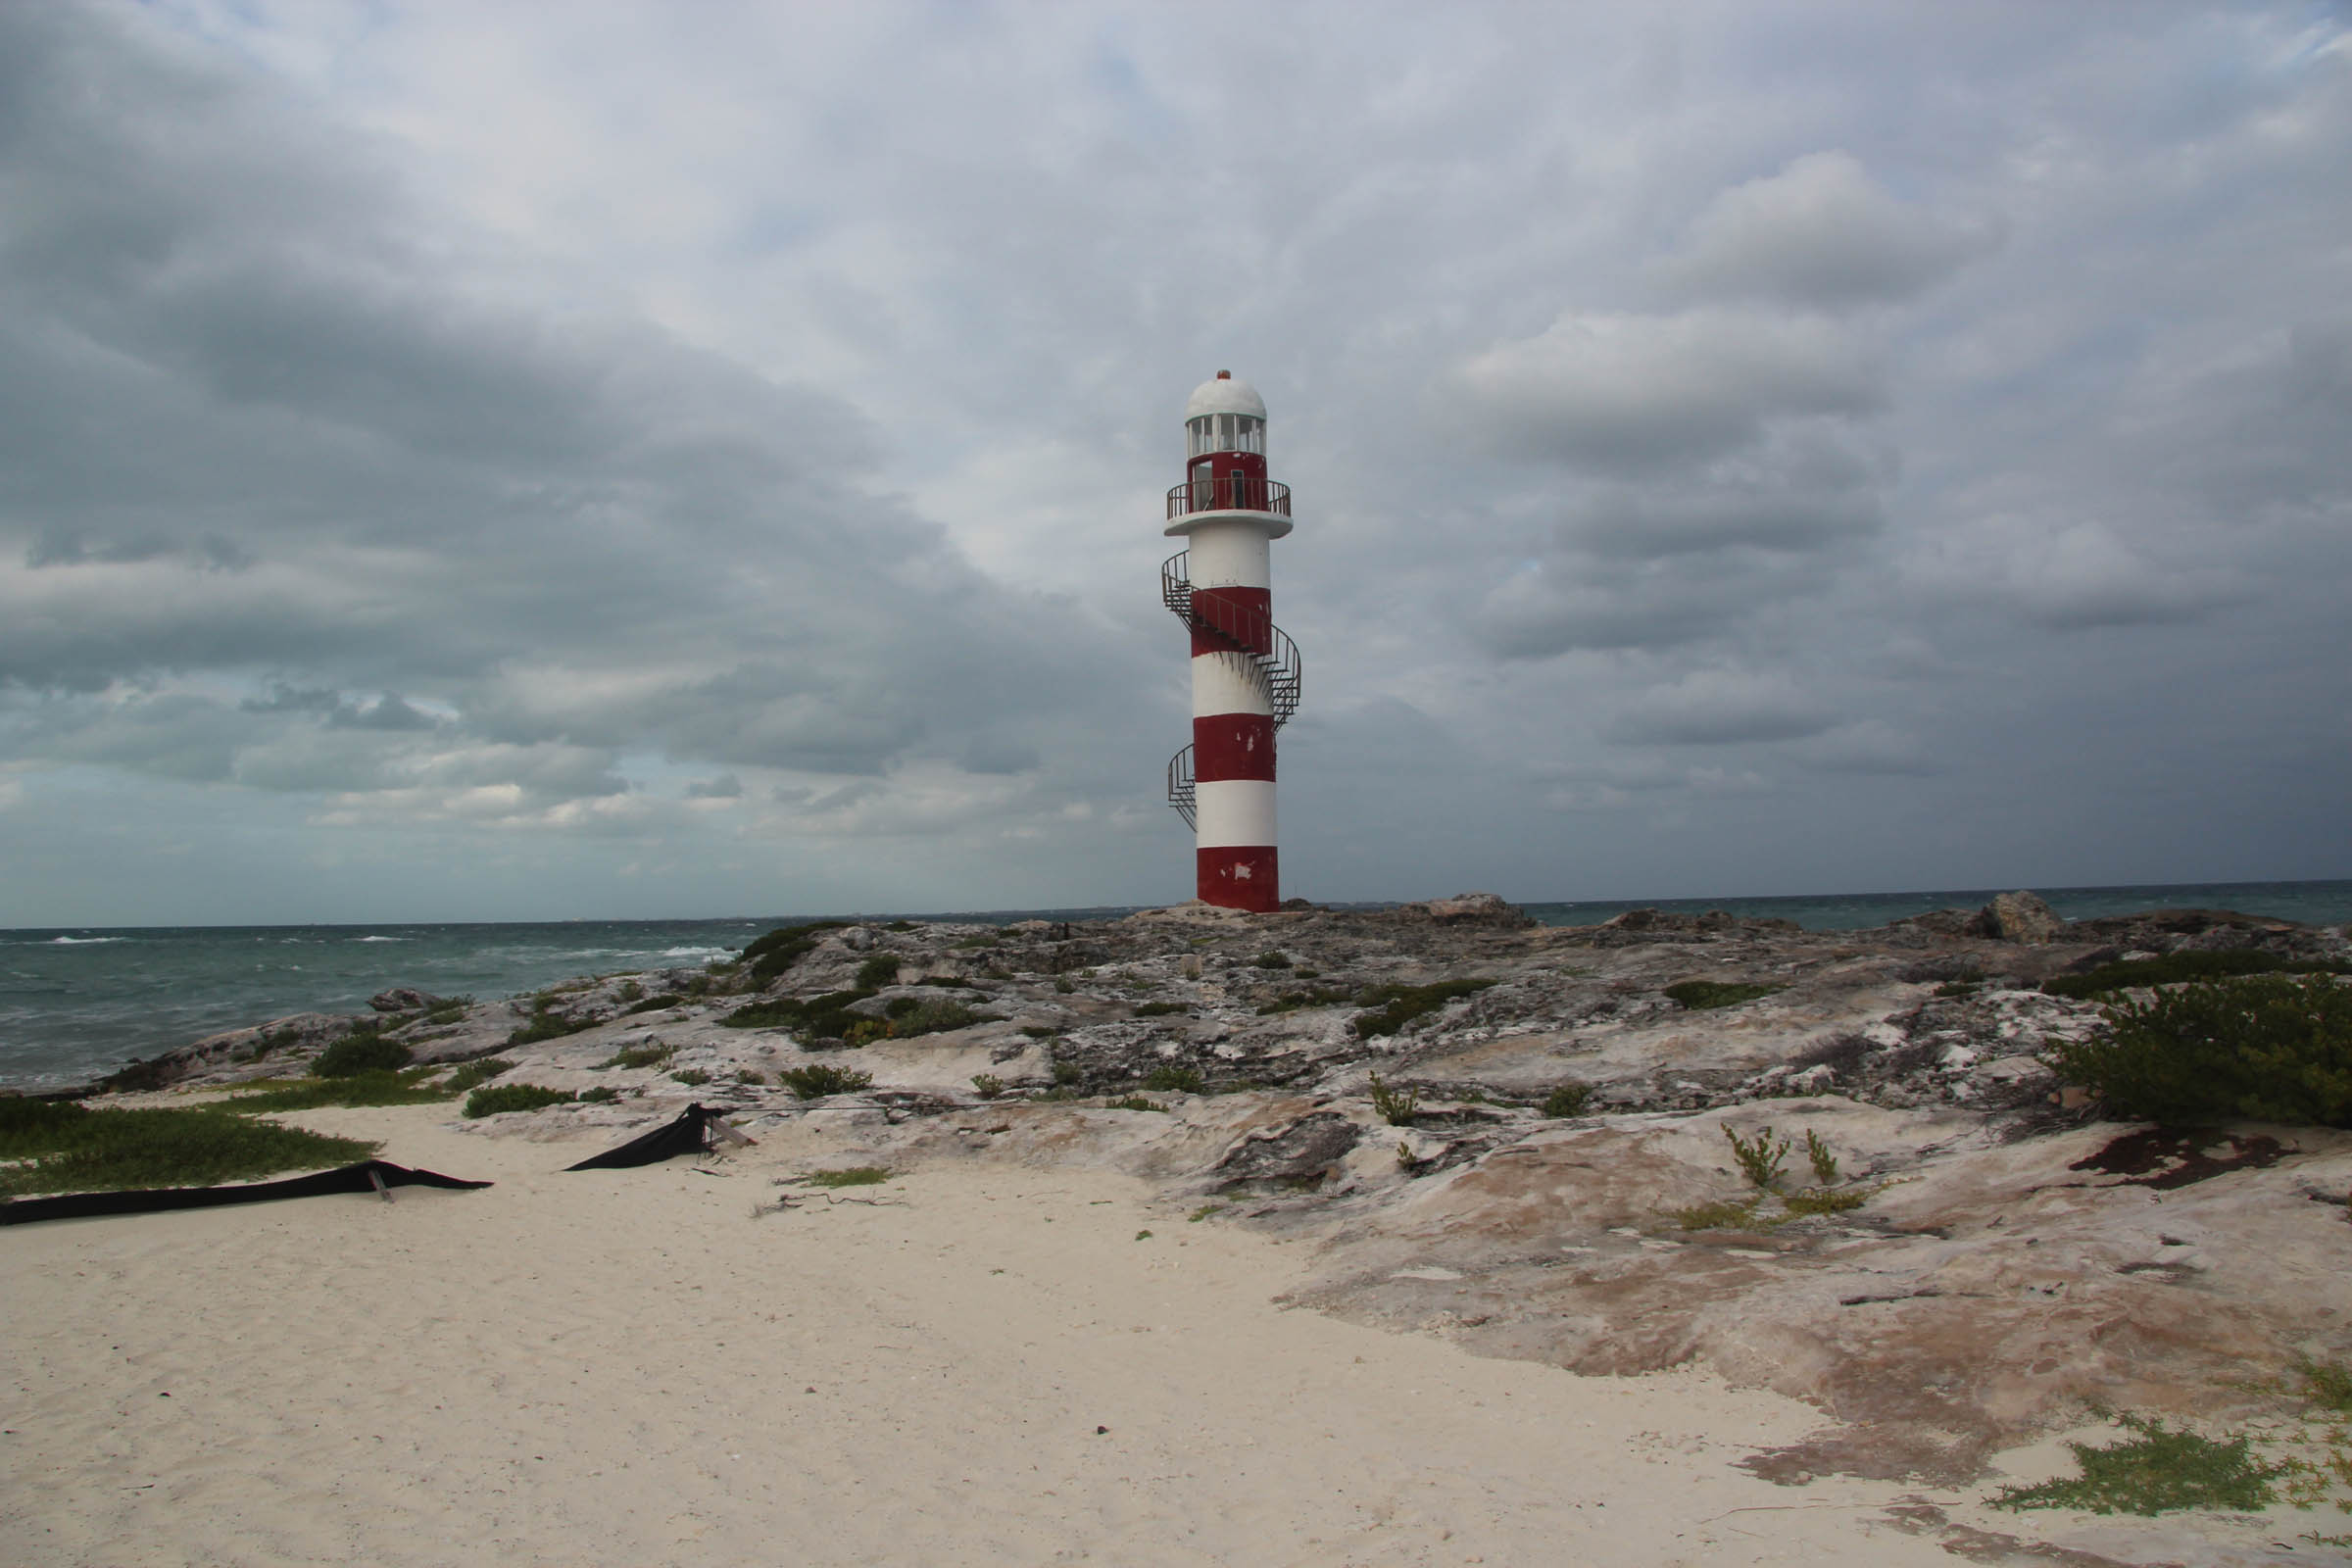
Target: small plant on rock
[
  {"x": 1824, "y": 1163},
  {"x": 882, "y": 969},
  {"x": 691, "y": 1077},
  {"x": 815, "y": 1081},
  {"x": 1175, "y": 1080},
  {"x": 1760, "y": 1157},
  {"x": 1159, "y": 1009},
  {"x": 1569, "y": 1099},
  {"x": 1271, "y": 960},
  {"x": 361, "y": 1051},
  {"x": 1395, "y": 1107},
  {"x": 1132, "y": 1103},
  {"x": 1700, "y": 994},
  {"x": 987, "y": 1084},
  {"x": 475, "y": 1073},
  {"x": 2158, "y": 1469}
]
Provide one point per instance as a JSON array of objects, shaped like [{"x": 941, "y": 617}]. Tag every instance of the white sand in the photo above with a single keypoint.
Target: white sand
[{"x": 627, "y": 1367}]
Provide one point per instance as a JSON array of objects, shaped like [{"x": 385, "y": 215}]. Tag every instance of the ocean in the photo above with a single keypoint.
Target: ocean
[{"x": 77, "y": 1002}]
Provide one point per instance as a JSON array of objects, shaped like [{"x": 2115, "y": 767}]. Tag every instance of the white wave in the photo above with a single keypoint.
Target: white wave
[
  {"x": 696, "y": 952},
  {"x": 379, "y": 938},
  {"x": 83, "y": 941}
]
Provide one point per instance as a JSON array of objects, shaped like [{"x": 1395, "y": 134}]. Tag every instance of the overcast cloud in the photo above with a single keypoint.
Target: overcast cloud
[{"x": 506, "y": 461}]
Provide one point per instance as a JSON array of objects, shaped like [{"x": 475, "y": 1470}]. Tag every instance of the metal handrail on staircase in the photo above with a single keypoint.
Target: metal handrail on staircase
[{"x": 1274, "y": 662}]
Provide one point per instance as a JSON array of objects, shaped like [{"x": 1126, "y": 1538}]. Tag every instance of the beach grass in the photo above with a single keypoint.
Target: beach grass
[
  {"x": 64, "y": 1147},
  {"x": 378, "y": 1087}
]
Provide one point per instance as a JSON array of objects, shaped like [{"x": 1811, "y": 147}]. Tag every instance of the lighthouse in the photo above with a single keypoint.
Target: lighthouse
[{"x": 1245, "y": 671}]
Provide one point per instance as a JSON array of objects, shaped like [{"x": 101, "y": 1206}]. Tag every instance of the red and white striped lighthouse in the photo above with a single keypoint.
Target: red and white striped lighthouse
[{"x": 1245, "y": 671}]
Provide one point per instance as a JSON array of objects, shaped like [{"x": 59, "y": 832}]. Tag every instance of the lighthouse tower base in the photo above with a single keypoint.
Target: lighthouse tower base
[{"x": 1241, "y": 878}]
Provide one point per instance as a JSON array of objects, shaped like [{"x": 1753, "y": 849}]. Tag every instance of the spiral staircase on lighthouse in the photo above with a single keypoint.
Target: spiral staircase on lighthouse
[{"x": 1273, "y": 658}]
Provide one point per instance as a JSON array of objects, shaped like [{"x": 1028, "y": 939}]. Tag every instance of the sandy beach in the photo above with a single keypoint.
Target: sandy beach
[{"x": 967, "y": 1365}]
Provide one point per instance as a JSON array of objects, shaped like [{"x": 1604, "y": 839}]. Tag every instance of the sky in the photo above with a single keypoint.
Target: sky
[{"x": 485, "y": 461}]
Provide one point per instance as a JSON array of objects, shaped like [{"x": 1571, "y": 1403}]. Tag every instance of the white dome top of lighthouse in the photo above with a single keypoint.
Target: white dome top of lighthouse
[{"x": 1222, "y": 394}]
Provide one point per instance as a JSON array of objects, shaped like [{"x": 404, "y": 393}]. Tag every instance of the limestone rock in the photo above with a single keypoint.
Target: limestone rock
[{"x": 2018, "y": 918}]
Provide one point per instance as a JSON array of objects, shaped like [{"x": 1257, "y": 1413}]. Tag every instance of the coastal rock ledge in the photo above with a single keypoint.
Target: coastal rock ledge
[{"x": 1515, "y": 1136}]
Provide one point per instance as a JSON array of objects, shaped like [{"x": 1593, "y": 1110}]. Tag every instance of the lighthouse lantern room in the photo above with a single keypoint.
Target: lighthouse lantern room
[{"x": 1245, "y": 671}]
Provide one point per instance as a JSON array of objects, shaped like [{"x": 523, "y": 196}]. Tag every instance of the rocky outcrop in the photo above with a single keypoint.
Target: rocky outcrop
[{"x": 1546, "y": 1173}]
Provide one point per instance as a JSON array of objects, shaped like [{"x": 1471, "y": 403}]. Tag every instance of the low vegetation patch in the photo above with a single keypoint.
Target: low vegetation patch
[
  {"x": 1159, "y": 1009},
  {"x": 815, "y": 1081},
  {"x": 1314, "y": 996},
  {"x": 987, "y": 1084},
  {"x": 655, "y": 1003},
  {"x": 1175, "y": 1080},
  {"x": 2261, "y": 1047},
  {"x": 377, "y": 1088},
  {"x": 448, "y": 1010},
  {"x": 1701, "y": 995},
  {"x": 780, "y": 950},
  {"x": 647, "y": 1055},
  {"x": 816, "y": 1021},
  {"x": 64, "y": 1147},
  {"x": 1569, "y": 1099},
  {"x": 1742, "y": 1214},
  {"x": 882, "y": 969},
  {"x": 934, "y": 1017},
  {"x": 1395, "y": 1007},
  {"x": 547, "y": 1024},
  {"x": 1132, "y": 1103},
  {"x": 691, "y": 1077},
  {"x": 1395, "y": 1107},
  {"x": 2158, "y": 1469},
  {"x": 1759, "y": 1158},
  {"x": 1271, "y": 960},
  {"x": 499, "y": 1098},
  {"x": 2172, "y": 968},
  {"x": 475, "y": 1073},
  {"x": 361, "y": 1051},
  {"x": 850, "y": 1176}
]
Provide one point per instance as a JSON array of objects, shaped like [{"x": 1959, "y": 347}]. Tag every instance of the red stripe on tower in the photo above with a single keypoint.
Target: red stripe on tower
[{"x": 1245, "y": 671}]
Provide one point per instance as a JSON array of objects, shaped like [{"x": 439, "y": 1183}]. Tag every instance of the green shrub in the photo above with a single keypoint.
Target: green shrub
[
  {"x": 501, "y": 1097},
  {"x": 1395, "y": 1106},
  {"x": 2172, "y": 968},
  {"x": 667, "y": 998},
  {"x": 448, "y": 1010},
  {"x": 1271, "y": 960},
  {"x": 1819, "y": 1157},
  {"x": 2157, "y": 1470},
  {"x": 1569, "y": 1099},
  {"x": 2326, "y": 1384},
  {"x": 818, "y": 1018},
  {"x": 649, "y": 1055},
  {"x": 475, "y": 1073},
  {"x": 750, "y": 1077},
  {"x": 987, "y": 1084},
  {"x": 1159, "y": 1009},
  {"x": 1039, "y": 1031},
  {"x": 882, "y": 969},
  {"x": 901, "y": 925},
  {"x": 68, "y": 1148},
  {"x": 1395, "y": 1007},
  {"x": 815, "y": 1081},
  {"x": 601, "y": 1094},
  {"x": 546, "y": 1024},
  {"x": 850, "y": 1176},
  {"x": 1132, "y": 1103},
  {"x": 2263, "y": 1047},
  {"x": 691, "y": 1077},
  {"x": 381, "y": 1087},
  {"x": 1760, "y": 1157},
  {"x": 1700, "y": 994},
  {"x": 1174, "y": 1080},
  {"x": 361, "y": 1051},
  {"x": 1068, "y": 1072},
  {"x": 780, "y": 950},
  {"x": 934, "y": 1017}
]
